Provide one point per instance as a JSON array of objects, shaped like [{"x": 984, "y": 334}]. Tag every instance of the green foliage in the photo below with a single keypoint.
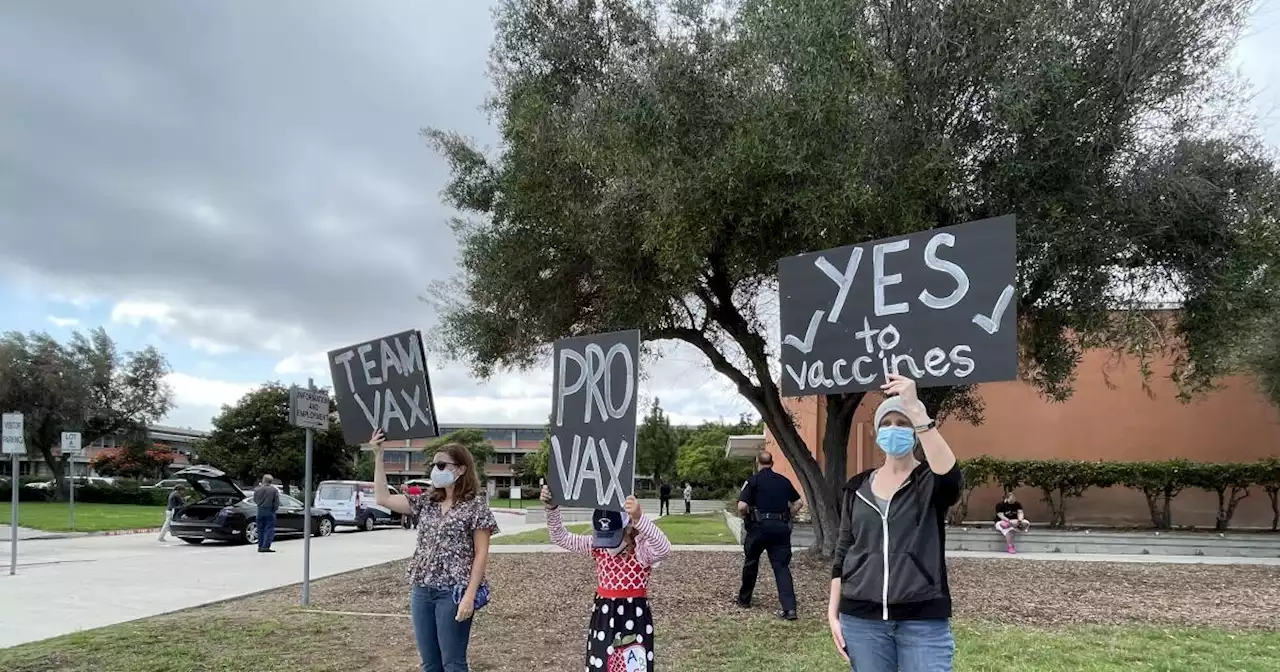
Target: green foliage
[
  {"x": 1060, "y": 481},
  {"x": 85, "y": 385},
  {"x": 657, "y": 158},
  {"x": 540, "y": 462},
  {"x": 475, "y": 443},
  {"x": 138, "y": 458},
  {"x": 254, "y": 437},
  {"x": 701, "y": 459},
  {"x": 657, "y": 445}
]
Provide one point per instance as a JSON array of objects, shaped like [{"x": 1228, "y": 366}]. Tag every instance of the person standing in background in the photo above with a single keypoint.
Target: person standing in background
[
  {"x": 171, "y": 509},
  {"x": 688, "y": 497},
  {"x": 267, "y": 497},
  {"x": 664, "y": 498}
]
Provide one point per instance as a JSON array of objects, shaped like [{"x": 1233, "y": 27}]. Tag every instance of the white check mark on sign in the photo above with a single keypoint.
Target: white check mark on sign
[
  {"x": 807, "y": 344},
  {"x": 992, "y": 324}
]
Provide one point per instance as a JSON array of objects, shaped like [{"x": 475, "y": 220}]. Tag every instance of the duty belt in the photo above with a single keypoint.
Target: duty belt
[{"x": 773, "y": 516}]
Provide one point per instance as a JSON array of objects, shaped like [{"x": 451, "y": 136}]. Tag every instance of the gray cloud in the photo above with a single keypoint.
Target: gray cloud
[{"x": 249, "y": 175}]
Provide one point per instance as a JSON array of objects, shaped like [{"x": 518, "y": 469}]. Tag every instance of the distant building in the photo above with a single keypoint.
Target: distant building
[
  {"x": 405, "y": 460},
  {"x": 181, "y": 440}
]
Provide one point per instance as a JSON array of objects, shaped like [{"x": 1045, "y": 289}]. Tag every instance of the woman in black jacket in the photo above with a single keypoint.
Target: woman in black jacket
[{"x": 890, "y": 604}]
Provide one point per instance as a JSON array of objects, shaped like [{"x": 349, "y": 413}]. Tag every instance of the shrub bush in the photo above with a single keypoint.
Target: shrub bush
[{"x": 1060, "y": 481}]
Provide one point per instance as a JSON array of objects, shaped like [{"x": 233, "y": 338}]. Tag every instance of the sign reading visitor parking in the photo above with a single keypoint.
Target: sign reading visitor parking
[
  {"x": 593, "y": 414},
  {"x": 71, "y": 443},
  {"x": 937, "y": 306},
  {"x": 383, "y": 384},
  {"x": 309, "y": 409},
  {"x": 14, "y": 443}
]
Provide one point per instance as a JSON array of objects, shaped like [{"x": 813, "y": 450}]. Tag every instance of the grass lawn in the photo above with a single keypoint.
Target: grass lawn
[
  {"x": 515, "y": 504},
  {"x": 55, "y": 516},
  {"x": 699, "y": 529},
  {"x": 1079, "y": 617}
]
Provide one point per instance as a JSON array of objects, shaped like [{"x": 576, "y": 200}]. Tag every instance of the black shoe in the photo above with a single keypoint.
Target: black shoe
[
  {"x": 787, "y": 615},
  {"x": 266, "y": 550},
  {"x": 741, "y": 605}
]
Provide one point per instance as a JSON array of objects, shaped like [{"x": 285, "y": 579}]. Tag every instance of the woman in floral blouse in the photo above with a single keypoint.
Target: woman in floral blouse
[{"x": 448, "y": 565}]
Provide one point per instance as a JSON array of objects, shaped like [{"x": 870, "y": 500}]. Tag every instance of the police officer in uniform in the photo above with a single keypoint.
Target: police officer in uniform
[{"x": 767, "y": 503}]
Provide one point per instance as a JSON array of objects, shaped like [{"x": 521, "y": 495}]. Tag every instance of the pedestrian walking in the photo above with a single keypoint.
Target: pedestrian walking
[
  {"x": 688, "y": 498},
  {"x": 449, "y": 561},
  {"x": 767, "y": 503},
  {"x": 893, "y": 525},
  {"x": 626, "y": 547},
  {"x": 267, "y": 498},
  {"x": 664, "y": 499},
  {"x": 171, "y": 508}
]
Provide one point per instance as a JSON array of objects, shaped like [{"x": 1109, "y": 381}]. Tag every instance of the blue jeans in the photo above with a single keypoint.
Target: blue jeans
[
  {"x": 442, "y": 641},
  {"x": 890, "y": 646},
  {"x": 266, "y": 529}
]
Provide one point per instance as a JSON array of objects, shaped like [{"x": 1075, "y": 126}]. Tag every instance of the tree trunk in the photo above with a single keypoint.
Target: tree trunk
[
  {"x": 1153, "y": 499},
  {"x": 1166, "y": 517},
  {"x": 835, "y": 452},
  {"x": 1273, "y": 493},
  {"x": 1227, "y": 504}
]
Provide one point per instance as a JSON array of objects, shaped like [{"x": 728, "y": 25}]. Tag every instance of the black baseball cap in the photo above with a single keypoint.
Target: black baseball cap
[{"x": 607, "y": 528}]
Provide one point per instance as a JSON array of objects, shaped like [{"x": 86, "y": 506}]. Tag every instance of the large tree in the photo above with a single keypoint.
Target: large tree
[
  {"x": 656, "y": 445},
  {"x": 85, "y": 385},
  {"x": 253, "y": 437},
  {"x": 657, "y": 158}
]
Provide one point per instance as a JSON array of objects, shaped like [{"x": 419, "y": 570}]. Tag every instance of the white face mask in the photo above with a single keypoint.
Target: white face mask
[{"x": 442, "y": 478}]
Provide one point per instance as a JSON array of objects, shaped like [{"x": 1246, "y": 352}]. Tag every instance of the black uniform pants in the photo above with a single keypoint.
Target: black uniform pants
[
  {"x": 664, "y": 506},
  {"x": 772, "y": 537}
]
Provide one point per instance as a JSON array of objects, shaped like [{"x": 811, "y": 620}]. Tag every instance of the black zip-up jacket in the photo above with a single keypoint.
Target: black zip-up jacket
[{"x": 891, "y": 565}]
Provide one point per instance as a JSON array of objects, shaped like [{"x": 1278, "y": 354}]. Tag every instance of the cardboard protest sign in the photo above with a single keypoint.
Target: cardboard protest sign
[
  {"x": 937, "y": 306},
  {"x": 593, "y": 420},
  {"x": 383, "y": 383}
]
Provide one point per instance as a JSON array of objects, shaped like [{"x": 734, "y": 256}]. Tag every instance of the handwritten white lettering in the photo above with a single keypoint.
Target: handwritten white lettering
[
  {"x": 881, "y": 281},
  {"x": 843, "y": 280},
  {"x": 954, "y": 270}
]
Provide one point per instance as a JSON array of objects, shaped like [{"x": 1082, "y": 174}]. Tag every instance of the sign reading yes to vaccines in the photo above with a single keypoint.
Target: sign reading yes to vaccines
[
  {"x": 937, "y": 306},
  {"x": 593, "y": 420}
]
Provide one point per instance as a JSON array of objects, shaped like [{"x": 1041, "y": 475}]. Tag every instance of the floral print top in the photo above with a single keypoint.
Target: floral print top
[{"x": 446, "y": 541}]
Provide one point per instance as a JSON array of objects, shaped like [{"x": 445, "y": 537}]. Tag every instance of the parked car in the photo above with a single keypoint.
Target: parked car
[
  {"x": 166, "y": 484},
  {"x": 224, "y": 513},
  {"x": 352, "y": 503},
  {"x": 80, "y": 482}
]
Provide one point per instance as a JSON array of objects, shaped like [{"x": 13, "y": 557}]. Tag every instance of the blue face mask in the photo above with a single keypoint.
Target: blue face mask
[{"x": 896, "y": 441}]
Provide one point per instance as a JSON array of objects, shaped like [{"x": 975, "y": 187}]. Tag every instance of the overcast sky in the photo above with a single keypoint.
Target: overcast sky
[{"x": 242, "y": 185}]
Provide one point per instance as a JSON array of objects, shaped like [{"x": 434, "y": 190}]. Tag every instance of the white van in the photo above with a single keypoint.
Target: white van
[{"x": 352, "y": 504}]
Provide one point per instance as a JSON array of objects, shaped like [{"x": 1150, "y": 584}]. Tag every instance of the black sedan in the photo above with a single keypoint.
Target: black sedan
[{"x": 224, "y": 513}]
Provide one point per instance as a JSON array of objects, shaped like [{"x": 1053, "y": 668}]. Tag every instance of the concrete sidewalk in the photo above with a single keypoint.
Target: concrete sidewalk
[{"x": 66, "y": 585}]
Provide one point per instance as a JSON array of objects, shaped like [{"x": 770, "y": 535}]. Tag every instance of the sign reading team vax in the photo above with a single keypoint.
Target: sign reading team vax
[
  {"x": 383, "y": 384},
  {"x": 936, "y": 306},
  {"x": 593, "y": 420}
]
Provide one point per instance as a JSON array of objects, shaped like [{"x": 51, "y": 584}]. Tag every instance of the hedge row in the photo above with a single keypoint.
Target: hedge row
[{"x": 1060, "y": 481}]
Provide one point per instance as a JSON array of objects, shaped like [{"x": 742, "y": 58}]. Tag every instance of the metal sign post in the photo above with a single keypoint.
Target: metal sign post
[
  {"x": 309, "y": 409},
  {"x": 15, "y": 445},
  {"x": 71, "y": 448}
]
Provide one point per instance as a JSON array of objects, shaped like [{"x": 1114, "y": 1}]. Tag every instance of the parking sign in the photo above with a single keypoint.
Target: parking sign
[
  {"x": 14, "y": 443},
  {"x": 71, "y": 443}
]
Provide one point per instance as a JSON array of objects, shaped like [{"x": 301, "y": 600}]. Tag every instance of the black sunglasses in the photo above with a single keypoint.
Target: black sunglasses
[{"x": 443, "y": 465}]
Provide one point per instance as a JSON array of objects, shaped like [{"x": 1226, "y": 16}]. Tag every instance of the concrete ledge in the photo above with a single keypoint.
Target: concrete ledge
[
  {"x": 1047, "y": 541},
  {"x": 735, "y": 525}
]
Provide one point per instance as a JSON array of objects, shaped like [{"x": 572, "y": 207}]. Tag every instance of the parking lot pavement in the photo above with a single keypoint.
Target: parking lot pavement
[{"x": 66, "y": 585}]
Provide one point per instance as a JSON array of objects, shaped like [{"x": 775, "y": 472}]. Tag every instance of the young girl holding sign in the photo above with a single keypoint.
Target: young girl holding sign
[{"x": 626, "y": 547}]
